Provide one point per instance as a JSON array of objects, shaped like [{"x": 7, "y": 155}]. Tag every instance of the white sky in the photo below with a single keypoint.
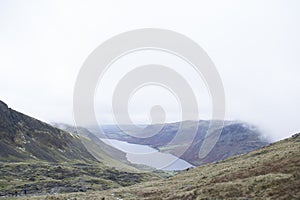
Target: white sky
[{"x": 254, "y": 44}]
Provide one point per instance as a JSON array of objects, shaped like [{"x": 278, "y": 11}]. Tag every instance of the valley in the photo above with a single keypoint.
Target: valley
[
  {"x": 272, "y": 172},
  {"x": 41, "y": 161}
]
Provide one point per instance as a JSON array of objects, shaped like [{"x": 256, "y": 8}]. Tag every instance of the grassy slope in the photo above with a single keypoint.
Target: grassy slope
[
  {"x": 25, "y": 138},
  {"x": 40, "y": 178},
  {"x": 108, "y": 155},
  {"x": 272, "y": 172},
  {"x": 43, "y": 159}
]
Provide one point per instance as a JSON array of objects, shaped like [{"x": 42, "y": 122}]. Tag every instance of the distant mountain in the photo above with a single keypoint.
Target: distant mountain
[
  {"x": 236, "y": 138},
  {"x": 23, "y": 138}
]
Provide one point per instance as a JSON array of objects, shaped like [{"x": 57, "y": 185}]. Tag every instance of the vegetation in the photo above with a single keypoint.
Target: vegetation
[
  {"x": 37, "y": 158},
  {"x": 272, "y": 172},
  {"x": 39, "y": 178},
  {"x": 39, "y": 161}
]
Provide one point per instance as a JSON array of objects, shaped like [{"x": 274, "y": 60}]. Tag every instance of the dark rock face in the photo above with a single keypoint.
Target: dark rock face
[
  {"x": 236, "y": 138},
  {"x": 23, "y": 137}
]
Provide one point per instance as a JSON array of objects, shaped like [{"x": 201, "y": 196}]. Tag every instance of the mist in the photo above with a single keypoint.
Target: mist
[{"x": 253, "y": 44}]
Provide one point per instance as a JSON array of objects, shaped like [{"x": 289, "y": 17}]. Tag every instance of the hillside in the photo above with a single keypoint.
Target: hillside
[
  {"x": 40, "y": 159},
  {"x": 236, "y": 138},
  {"x": 272, "y": 172},
  {"x": 105, "y": 153},
  {"x": 23, "y": 138}
]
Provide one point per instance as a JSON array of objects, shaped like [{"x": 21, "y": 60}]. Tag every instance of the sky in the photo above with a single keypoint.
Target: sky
[{"x": 254, "y": 45}]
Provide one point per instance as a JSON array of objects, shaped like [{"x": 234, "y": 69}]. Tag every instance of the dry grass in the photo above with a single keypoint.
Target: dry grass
[{"x": 272, "y": 172}]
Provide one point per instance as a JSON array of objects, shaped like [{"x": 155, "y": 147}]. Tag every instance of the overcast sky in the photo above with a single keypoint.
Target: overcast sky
[{"x": 254, "y": 44}]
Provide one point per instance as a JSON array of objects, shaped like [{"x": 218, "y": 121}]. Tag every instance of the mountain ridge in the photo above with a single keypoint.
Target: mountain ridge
[
  {"x": 236, "y": 138},
  {"x": 23, "y": 137}
]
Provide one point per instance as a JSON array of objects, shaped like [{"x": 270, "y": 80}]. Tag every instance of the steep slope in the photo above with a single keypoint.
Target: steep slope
[
  {"x": 105, "y": 153},
  {"x": 40, "y": 159},
  {"x": 86, "y": 136},
  {"x": 272, "y": 172},
  {"x": 23, "y": 138},
  {"x": 236, "y": 138}
]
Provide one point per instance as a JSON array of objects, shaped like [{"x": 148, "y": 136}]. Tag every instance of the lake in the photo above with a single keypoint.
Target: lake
[{"x": 146, "y": 155}]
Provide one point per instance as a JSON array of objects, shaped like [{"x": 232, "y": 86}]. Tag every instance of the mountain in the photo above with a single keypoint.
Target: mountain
[
  {"x": 271, "y": 172},
  {"x": 100, "y": 150},
  {"x": 23, "y": 138},
  {"x": 37, "y": 158},
  {"x": 236, "y": 138}
]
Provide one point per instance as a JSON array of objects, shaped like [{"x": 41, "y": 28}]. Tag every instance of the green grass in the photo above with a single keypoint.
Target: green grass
[{"x": 47, "y": 178}]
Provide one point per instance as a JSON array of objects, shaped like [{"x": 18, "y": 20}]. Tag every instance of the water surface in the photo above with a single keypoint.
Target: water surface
[{"x": 146, "y": 155}]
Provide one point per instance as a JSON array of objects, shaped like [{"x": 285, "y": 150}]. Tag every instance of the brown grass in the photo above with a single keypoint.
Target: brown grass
[{"x": 272, "y": 172}]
